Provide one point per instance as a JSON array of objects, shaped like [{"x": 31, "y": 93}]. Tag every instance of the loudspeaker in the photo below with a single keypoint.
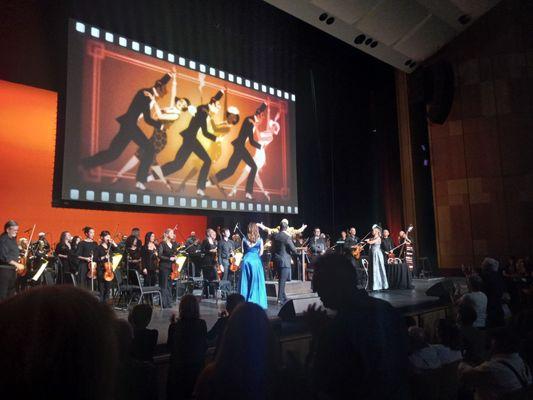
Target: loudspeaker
[
  {"x": 294, "y": 307},
  {"x": 438, "y": 91},
  {"x": 443, "y": 290}
]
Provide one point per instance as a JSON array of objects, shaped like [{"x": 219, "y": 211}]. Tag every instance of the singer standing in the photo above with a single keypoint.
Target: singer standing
[{"x": 226, "y": 249}]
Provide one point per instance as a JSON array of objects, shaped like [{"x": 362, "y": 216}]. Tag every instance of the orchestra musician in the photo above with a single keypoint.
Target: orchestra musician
[
  {"x": 9, "y": 259},
  {"x": 386, "y": 243},
  {"x": 149, "y": 259},
  {"x": 63, "y": 252},
  {"x": 350, "y": 243},
  {"x": 192, "y": 246},
  {"x": 226, "y": 250},
  {"x": 407, "y": 250},
  {"x": 133, "y": 250},
  {"x": 85, "y": 252},
  {"x": 40, "y": 249},
  {"x": 101, "y": 257},
  {"x": 209, "y": 262},
  {"x": 22, "y": 281},
  {"x": 317, "y": 244},
  {"x": 167, "y": 251}
]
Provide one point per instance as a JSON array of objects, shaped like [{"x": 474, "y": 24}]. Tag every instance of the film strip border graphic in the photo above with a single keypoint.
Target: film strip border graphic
[
  {"x": 157, "y": 200},
  {"x": 98, "y": 33}
]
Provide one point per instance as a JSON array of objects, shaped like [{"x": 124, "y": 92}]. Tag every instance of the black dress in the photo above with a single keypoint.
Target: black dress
[
  {"x": 209, "y": 269},
  {"x": 64, "y": 250},
  {"x": 101, "y": 256},
  {"x": 149, "y": 261},
  {"x": 187, "y": 342},
  {"x": 165, "y": 266},
  {"x": 85, "y": 249}
]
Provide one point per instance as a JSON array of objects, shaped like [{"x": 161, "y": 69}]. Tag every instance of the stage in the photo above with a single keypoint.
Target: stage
[{"x": 407, "y": 301}]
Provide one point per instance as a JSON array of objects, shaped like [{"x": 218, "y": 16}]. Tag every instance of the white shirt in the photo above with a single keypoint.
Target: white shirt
[{"x": 479, "y": 301}]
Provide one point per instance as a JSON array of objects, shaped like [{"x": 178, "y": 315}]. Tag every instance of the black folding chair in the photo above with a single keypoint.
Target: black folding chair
[
  {"x": 124, "y": 291},
  {"x": 137, "y": 287}
]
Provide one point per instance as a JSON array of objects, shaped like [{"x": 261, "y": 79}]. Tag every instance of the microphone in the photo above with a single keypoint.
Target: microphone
[{"x": 235, "y": 229}]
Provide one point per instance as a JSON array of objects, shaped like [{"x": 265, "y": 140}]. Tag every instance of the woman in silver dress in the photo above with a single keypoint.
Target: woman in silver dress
[{"x": 379, "y": 275}]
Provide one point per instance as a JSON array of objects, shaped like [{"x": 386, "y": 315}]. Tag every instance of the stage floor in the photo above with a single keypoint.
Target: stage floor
[{"x": 409, "y": 301}]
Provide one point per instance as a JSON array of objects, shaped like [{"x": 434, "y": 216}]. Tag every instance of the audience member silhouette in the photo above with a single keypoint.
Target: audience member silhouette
[
  {"x": 57, "y": 342},
  {"x": 362, "y": 352},
  {"x": 187, "y": 342},
  {"x": 245, "y": 366},
  {"x": 144, "y": 340}
]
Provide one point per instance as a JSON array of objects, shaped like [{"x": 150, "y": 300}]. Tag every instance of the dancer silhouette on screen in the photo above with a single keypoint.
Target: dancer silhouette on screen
[
  {"x": 191, "y": 144},
  {"x": 265, "y": 138},
  {"x": 240, "y": 153},
  {"x": 129, "y": 131},
  {"x": 167, "y": 116}
]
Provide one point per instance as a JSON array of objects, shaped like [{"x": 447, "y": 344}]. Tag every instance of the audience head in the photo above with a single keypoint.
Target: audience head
[
  {"x": 189, "y": 307},
  {"x": 490, "y": 264},
  {"x": 466, "y": 314},
  {"x": 247, "y": 353},
  {"x": 233, "y": 301},
  {"x": 140, "y": 316},
  {"x": 335, "y": 281},
  {"x": 58, "y": 341}
]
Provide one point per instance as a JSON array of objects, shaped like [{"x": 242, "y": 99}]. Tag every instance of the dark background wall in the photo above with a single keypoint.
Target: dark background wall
[
  {"x": 482, "y": 156},
  {"x": 348, "y": 165}
]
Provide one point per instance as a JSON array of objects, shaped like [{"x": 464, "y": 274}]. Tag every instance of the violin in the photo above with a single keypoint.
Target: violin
[
  {"x": 109, "y": 275},
  {"x": 91, "y": 273},
  {"x": 233, "y": 267},
  {"x": 175, "y": 272}
]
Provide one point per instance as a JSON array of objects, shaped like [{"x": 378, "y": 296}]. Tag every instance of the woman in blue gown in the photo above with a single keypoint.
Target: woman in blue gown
[{"x": 252, "y": 275}]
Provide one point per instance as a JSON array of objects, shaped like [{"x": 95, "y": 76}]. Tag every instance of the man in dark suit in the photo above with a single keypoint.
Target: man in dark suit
[
  {"x": 130, "y": 131},
  {"x": 191, "y": 144},
  {"x": 282, "y": 247},
  {"x": 240, "y": 153}
]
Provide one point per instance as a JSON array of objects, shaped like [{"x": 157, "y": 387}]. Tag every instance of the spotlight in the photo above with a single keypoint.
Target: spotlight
[
  {"x": 323, "y": 16},
  {"x": 373, "y": 44},
  {"x": 464, "y": 19},
  {"x": 407, "y": 63},
  {"x": 368, "y": 41},
  {"x": 412, "y": 64},
  {"x": 330, "y": 20},
  {"x": 359, "y": 39}
]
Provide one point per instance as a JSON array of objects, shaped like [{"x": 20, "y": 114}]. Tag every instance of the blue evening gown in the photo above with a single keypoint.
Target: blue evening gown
[{"x": 252, "y": 275}]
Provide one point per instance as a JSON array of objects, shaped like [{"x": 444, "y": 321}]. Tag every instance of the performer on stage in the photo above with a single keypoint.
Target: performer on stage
[
  {"x": 349, "y": 244},
  {"x": 63, "y": 252},
  {"x": 149, "y": 259},
  {"x": 407, "y": 250},
  {"x": 191, "y": 144},
  {"x": 133, "y": 250},
  {"x": 226, "y": 250},
  {"x": 317, "y": 244},
  {"x": 265, "y": 138},
  {"x": 386, "y": 243},
  {"x": 9, "y": 257},
  {"x": 253, "y": 287},
  {"x": 129, "y": 131},
  {"x": 192, "y": 246},
  {"x": 379, "y": 275},
  {"x": 209, "y": 262},
  {"x": 292, "y": 232},
  {"x": 282, "y": 247},
  {"x": 240, "y": 153},
  {"x": 86, "y": 251},
  {"x": 102, "y": 256},
  {"x": 167, "y": 251}
]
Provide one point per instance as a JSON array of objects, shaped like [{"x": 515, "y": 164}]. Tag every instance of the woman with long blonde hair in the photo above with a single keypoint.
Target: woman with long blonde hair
[{"x": 252, "y": 275}]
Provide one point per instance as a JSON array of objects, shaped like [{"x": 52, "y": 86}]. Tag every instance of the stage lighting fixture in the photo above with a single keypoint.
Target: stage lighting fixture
[
  {"x": 231, "y": 77},
  {"x": 80, "y": 27},
  {"x": 323, "y": 16},
  {"x": 464, "y": 19},
  {"x": 221, "y": 74},
  {"x": 181, "y": 61},
  {"x": 192, "y": 65},
  {"x": 171, "y": 57},
  {"x": 202, "y": 68},
  {"x": 212, "y": 71},
  {"x": 368, "y": 41},
  {"x": 359, "y": 39},
  {"x": 330, "y": 20},
  {"x": 135, "y": 46},
  {"x": 159, "y": 53},
  {"x": 373, "y": 44}
]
